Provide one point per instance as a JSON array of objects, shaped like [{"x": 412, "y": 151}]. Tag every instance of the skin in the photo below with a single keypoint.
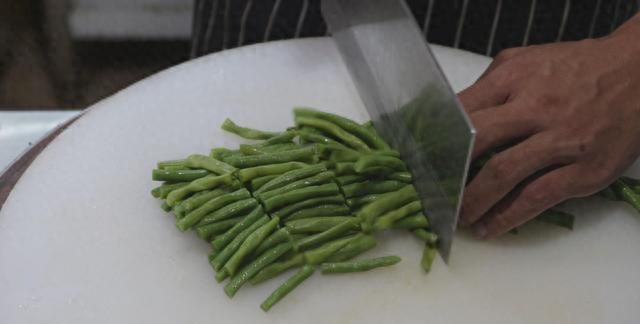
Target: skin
[{"x": 568, "y": 114}]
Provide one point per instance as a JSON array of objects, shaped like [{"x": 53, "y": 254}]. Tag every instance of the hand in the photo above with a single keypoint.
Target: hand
[{"x": 569, "y": 115}]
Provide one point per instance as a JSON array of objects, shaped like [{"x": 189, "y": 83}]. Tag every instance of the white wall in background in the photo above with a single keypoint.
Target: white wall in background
[{"x": 131, "y": 19}]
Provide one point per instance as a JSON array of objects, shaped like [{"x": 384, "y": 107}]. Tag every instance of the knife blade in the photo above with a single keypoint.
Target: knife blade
[{"x": 409, "y": 100}]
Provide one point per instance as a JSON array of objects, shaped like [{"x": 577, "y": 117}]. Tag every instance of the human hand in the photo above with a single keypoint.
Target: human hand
[{"x": 570, "y": 113}]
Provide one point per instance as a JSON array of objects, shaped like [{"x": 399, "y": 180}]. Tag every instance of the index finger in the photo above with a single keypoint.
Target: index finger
[{"x": 484, "y": 93}]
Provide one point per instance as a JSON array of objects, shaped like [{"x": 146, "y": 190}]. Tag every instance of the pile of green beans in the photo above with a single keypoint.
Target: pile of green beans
[{"x": 310, "y": 197}]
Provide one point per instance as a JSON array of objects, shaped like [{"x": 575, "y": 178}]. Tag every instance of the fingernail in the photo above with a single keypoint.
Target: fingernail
[{"x": 480, "y": 231}]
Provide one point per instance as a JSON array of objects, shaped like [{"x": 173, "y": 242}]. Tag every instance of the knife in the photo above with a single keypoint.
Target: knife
[{"x": 409, "y": 100}]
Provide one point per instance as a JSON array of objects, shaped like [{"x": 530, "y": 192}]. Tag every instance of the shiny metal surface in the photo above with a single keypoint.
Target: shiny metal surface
[{"x": 409, "y": 101}]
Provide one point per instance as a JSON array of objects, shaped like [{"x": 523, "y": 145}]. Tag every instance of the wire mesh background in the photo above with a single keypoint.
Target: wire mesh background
[{"x": 481, "y": 26}]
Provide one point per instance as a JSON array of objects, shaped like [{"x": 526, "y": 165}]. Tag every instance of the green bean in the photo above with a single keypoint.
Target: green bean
[
  {"x": 318, "y": 224},
  {"x": 321, "y": 210},
  {"x": 349, "y": 179},
  {"x": 290, "y": 176},
  {"x": 334, "y": 130},
  {"x": 557, "y": 217},
  {"x": 231, "y": 210},
  {"x": 371, "y": 187},
  {"x": 627, "y": 194},
  {"x": 205, "y": 183},
  {"x": 257, "y": 150},
  {"x": 377, "y": 172},
  {"x": 368, "y": 161},
  {"x": 357, "y": 202},
  {"x": 223, "y": 256},
  {"x": 221, "y": 276},
  {"x": 253, "y": 268},
  {"x": 292, "y": 208},
  {"x": 249, "y": 245},
  {"x": 298, "y": 195},
  {"x": 428, "y": 255},
  {"x": 280, "y": 236},
  {"x": 360, "y": 244},
  {"x": 347, "y": 155},
  {"x": 245, "y": 132},
  {"x": 249, "y": 174},
  {"x": 428, "y": 237},
  {"x": 205, "y": 232},
  {"x": 163, "y": 190},
  {"x": 277, "y": 268},
  {"x": 315, "y": 137},
  {"x": 172, "y": 164},
  {"x": 359, "y": 266},
  {"x": 257, "y": 183},
  {"x": 177, "y": 175},
  {"x": 289, "y": 285},
  {"x": 415, "y": 221},
  {"x": 208, "y": 163},
  {"x": 195, "y": 216},
  {"x": 320, "y": 254},
  {"x": 330, "y": 234},
  {"x": 306, "y": 154},
  {"x": 165, "y": 206},
  {"x": 221, "y": 153},
  {"x": 388, "y": 219},
  {"x": 385, "y": 203},
  {"x": 247, "y": 149},
  {"x": 282, "y": 138},
  {"x": 370, "y": 138},
  {"x": 345, "y": 168},
  {"x": 318, "y": 179},
  {"x": 221, "y": 241},
  {"x": 200, "y": 198},
  {"x": 401, "y": 176}
]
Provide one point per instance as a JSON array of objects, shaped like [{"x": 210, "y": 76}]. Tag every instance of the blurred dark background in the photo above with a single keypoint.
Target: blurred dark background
[{"x": 68, "y": 54}]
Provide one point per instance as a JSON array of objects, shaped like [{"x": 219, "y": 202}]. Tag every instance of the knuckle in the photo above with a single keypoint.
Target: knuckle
[
  {"x": 507, "y": 54},
  {"x": 537, "y": 198}
]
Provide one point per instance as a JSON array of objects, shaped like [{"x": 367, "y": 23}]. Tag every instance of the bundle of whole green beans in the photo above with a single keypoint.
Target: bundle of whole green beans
[{"x": 309, "y": 197}]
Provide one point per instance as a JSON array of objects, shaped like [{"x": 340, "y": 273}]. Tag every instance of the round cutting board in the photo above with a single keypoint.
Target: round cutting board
[{"x": 82, "y": 240}]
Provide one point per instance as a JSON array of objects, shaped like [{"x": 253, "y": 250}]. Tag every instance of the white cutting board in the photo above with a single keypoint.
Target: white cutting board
[{"x": 82, "y": 241}]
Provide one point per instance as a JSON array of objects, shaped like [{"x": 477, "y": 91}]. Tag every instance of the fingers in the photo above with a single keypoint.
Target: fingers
[
  {"x": 505, "y": 170},
  {"x": 536, "y": 197},
  {"x": 499, "y": 126}
]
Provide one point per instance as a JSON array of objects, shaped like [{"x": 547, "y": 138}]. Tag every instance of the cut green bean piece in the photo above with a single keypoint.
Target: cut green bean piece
[
  {"x": 276, "y": 268},
  {"x": 360, "y": 244},
  {"x": 319, "y": 224},
  {"x": 312, "y": 137},
  {"x": 415, "y": 221},
  {"x": 165, "y": 206},
  {"x": 349, "y": 179},
  {"x": 627, "y": 194},
  {"x": 320, "y": 254},
  {"x": 220, "y": 153},
  {"x": 250, "y": 270},
  {"x": 194, "y": 217},
  {"x": 346, "y": 155},
  {"x": 245, "y": 132},
  {"x": 231, "y": 210},
  {"x": 282, "y": 138},
  {"x": 330, "y": 234},
  {"x": 249, "y": 245},
  {"x": 172, "y": 164},
  {"x": 277, "y": 237},
  {"x": 357, "y": 202},
  {"x": 298, "y": 195},
  {"x": 200, "y": 198},
  {"x": 257, "y": 183},
  {"x": 321, "y": 210},
  {"x": 185, "y": 175},
  {"x": 205, "y": 183},
  {"x": 221, "y": 241},
  {"x": 558, "y": 218},
  {"x": 362, "y": 132},
  {"x": 318, "y": 179},
  {"x": 347, "y": 138},
  {"x": 223, "y": 256},
  {"x": 246, "y": 175},
  {"x": 289, "y": 285},
  {"x": 308, "y": 203},
  {"x": 428, "y": 237},
  {"x": 162, "y": 191},
  {"x": 221, "y": 276},
  {"x": 247, "y": 149},
  {"x": 345, "y": 168},
  {"x": 306, "y": 154},
  {"x": 368, "y": 161},
  {"x": 208, "y": 163},
  {"x": 428, "y": 255},
  {"x": 293, "y": 175},
  {"x": 385, "y": 203},
  {"x": 359, "y": 266},
  {"x": 388, "y": 219},
  {"x": 205, "y": 232},
  {"x": 371, "y": 187},
  {"x": 401, "y": 176}
]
